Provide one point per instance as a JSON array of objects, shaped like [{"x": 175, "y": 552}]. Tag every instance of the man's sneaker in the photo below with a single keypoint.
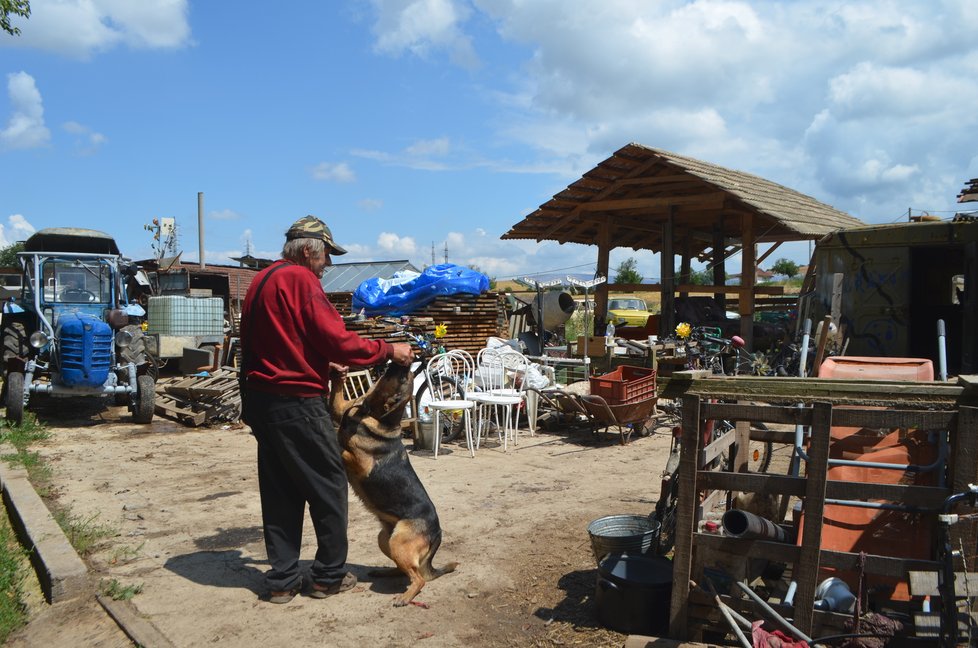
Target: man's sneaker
[
  {"x": 322, "y": 591},
  {"x": 282, "y": 596}
]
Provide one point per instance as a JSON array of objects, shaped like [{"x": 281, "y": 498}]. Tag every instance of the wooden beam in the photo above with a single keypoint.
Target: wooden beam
[
  {"x": 667, "y": 317},
  {"x": 714, "y": 200}
]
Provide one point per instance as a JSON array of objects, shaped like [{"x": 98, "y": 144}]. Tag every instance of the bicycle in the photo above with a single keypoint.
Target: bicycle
[
  {"x": 452, "y": 424},
  {"x": 946, "y": 557},
  {"x": 704, "y": 349}
]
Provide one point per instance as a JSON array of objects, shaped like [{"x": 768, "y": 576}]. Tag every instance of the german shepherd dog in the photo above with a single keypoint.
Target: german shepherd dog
[{"x": 380, "y": 473}]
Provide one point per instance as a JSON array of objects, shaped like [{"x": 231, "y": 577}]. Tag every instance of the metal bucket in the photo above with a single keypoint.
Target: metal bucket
[{"x": 631, "y": 534}]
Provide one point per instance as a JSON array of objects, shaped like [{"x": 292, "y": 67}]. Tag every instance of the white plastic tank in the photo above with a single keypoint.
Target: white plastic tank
[{"x": 178, "y": 315}]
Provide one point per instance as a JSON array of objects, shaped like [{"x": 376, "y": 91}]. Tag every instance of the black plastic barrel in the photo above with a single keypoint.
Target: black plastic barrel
[{"x": 633, "y": 593}]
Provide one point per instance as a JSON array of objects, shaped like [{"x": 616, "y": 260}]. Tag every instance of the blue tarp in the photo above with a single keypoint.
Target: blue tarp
[{"x": 402, "y": 296}]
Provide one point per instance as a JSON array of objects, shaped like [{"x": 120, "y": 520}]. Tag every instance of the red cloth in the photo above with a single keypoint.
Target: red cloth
[
  {"x": 774, "y": 639},
  {"x": 292, "y": 332}
]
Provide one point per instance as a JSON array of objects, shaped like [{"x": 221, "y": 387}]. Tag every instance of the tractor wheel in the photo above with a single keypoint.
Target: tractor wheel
[
  {"x": 15, "y": 397},
  {"x": 137, "y": 354},
  {"x": 145, "y": 399},
  {"x": 15, "y": 344}
]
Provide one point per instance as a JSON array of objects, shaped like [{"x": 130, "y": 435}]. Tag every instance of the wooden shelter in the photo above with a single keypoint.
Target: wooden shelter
[{"x": 650, "y": 199}]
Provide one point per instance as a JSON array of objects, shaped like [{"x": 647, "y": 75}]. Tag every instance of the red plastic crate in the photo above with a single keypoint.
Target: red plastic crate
[{"x": 626, "y": 384}]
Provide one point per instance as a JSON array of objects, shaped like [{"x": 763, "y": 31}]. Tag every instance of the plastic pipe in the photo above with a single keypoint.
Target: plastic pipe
[
  {"x": 803, "y": 359},
  {"x": 743, "y": 524},
  {"x": 941, "y": 351}
]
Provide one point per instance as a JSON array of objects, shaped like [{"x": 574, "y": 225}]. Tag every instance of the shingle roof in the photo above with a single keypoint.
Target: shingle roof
[{"x": 637, "y": 187}]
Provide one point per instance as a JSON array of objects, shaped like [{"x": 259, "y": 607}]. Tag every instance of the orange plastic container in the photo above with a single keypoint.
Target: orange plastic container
[
  {"x": 878, "y": 531},
  {"x": 626, "y": 384}
]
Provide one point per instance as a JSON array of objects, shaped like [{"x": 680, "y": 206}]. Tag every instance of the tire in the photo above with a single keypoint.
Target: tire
[
  {"x": 15, "y": 343},
  {"x": 145, "y": 399},
  {"x": 665, "y": 507},
  {"x": 137, "y": 354},
  {"x": 451, "y": 425},
  {"x": 15, "y": 397}
]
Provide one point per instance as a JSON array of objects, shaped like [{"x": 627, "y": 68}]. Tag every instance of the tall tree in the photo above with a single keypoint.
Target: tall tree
[
  {"x": 627, "y": 272},
  {"x": 785, "y": 267},
  {"x": 17, "y": 8},
  {"x": 8, "y": 255}
]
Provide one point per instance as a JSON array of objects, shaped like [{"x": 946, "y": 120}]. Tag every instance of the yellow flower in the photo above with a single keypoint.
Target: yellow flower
[
  {"x": 683, "y": 330},
  {"x": 441, "y": 331}
]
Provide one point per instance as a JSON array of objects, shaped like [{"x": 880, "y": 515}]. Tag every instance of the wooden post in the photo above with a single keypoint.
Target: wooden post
[
  {"x": 806, "y": 570},
  {"x": 748, "y": 255},
  {"x": 601, "y": 291},
  {"x": 682, "y": 559},
  {"x": 719, "y": 271},
  {"x": 667, "y": 318}
]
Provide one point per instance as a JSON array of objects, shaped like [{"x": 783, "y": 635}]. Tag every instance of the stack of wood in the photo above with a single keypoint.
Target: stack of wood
[
  {"x": 200, "y": 400},
  {"x": 470, "y": 320}
]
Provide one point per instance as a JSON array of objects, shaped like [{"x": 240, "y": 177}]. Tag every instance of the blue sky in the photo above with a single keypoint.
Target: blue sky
[{"x": 407, "y": 124}]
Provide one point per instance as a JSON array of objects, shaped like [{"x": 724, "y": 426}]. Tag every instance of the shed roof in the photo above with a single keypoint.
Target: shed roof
[
  {"x": 636, "y": 188},
  {"x": 346, "y": 277}
]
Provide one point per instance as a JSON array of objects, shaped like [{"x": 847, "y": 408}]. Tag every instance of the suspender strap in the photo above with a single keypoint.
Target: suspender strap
[{"x": 245, "y": 356}]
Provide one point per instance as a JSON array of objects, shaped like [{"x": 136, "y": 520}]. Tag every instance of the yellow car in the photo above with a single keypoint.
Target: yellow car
[{"x": 627, "y": 311}]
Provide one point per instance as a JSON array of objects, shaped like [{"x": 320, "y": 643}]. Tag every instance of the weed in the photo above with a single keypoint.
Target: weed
[
  {"x": 119, "y": 592},
  {"x": 84, "y": 533},
  {"x": 125, "y": 554}
]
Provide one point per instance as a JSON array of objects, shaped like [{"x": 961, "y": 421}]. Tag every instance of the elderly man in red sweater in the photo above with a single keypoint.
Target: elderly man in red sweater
[{"x": 290, "y": 335}]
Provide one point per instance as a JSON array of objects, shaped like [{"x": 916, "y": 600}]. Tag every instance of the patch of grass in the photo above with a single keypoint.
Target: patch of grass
[
  {"x": 21, "y": 437},
  {"x": 119, "y": 592},
  {"x": 13, "y": 563},
  {"x": 84, "y": 533}
]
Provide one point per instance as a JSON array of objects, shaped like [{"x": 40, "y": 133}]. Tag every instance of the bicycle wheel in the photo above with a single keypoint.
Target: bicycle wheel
[
  {"x": 452, "y": 422},
  {"x": 665, "y": 508}
]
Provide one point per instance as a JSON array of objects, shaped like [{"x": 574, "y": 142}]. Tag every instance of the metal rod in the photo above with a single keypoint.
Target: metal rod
[
  {"x": 941, "y": 350},
  {"x": 774, "y": 614},
  {"x": 728, "y": 614}
]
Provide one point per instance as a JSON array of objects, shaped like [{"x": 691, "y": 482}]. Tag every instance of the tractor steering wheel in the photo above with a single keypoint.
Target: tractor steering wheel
[{"x": 77, "y": 295}]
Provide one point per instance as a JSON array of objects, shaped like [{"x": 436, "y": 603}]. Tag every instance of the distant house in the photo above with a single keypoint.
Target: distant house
[{"x": 346, "y": 277}]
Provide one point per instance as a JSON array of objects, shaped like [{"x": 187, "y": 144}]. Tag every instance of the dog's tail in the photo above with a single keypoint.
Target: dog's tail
[{"x": 431, "y": 573}]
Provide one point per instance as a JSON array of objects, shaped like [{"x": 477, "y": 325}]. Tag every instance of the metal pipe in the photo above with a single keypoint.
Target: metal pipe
[
  {"x": 941, "y": 350},
  {"x": 200, "y": 225},
  {"x": 743, "y": 524},
  {"x": 938, "y": 463},
  {"x": 783, "y": 622}
]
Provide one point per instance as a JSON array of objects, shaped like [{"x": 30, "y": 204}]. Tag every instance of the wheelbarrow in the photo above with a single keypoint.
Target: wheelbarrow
[{"x": 627, "y": 417}]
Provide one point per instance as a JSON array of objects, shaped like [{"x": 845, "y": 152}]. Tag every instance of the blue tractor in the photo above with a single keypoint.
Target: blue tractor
[{"x": 69, "y": 334}]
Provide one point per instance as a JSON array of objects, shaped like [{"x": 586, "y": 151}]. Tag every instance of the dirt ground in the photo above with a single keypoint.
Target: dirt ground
[{"x": 183, "y": 503}]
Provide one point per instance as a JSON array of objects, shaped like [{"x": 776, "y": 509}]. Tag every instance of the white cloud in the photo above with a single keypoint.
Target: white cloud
[
  {"x": 25, "y": 128},
  {"x": 87, "y": 141},
  {"x": 80, "y": 28},
  {"x": 422, "y": 27},
  {"x": 16, "y": 229},
  {"x": 370, "y": 204},
  {"x": 225, "y": 214},
  {"x": 334, "y": 172},
  {"x": 393, "y": 243}
]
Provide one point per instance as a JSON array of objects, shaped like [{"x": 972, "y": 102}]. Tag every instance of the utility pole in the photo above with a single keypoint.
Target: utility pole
[
  {"x": 446, "y": 251},
  {"x": 432, "y": 253}
]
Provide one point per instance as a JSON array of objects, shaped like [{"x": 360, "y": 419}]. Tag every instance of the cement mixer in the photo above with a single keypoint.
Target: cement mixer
[
  {"x": 553, "y": 308},
  {"x": 557, "y": 308}
]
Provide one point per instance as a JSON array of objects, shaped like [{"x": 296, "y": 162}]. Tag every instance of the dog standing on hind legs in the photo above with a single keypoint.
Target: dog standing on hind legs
[{"x": 381, "y": 475}]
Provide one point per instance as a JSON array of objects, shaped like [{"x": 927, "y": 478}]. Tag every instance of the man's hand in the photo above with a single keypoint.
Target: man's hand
[{"x": 402, "y": 353}]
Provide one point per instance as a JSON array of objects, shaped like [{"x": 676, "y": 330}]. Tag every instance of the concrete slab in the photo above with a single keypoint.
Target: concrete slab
[{"x": 61, "y": 573}]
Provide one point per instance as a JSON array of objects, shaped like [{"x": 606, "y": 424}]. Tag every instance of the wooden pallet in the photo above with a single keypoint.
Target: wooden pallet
[{"x": 200, "y": 400}]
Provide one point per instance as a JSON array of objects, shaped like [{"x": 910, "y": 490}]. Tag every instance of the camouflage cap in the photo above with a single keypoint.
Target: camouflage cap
[{"x": 312, "y": 227}]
